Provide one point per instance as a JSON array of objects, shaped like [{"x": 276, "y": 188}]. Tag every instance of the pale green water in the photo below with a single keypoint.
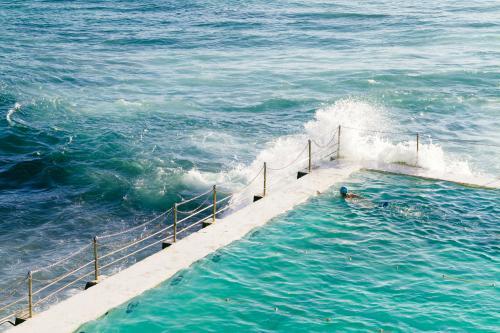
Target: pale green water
[{"x": 332, "y": 265}]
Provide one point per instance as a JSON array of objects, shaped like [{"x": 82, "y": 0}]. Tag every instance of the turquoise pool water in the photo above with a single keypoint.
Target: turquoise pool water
[{"x": 428, "y": 261}]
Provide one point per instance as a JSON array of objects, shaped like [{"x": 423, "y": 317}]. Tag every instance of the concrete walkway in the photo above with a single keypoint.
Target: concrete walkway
[{"x": 70, "y": 314}]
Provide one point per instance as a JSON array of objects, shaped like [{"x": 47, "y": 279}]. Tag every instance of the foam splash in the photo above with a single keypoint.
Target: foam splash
[
  {"x": 11, "y": 112},
  {"x": 230, "y": 179},
  {"x": 125, "y": 102},
  {"x": 355, "y": 145}
]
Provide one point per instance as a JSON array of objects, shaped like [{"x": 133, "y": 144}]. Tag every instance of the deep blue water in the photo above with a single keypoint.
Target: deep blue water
[{"x": 110, "y": 111}]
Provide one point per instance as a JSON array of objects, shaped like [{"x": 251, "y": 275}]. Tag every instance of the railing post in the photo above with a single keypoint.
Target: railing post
[
  {"x": 338, "y": 142},
  {"x": 30, "y": 294},
  {"x": 96, "y": 266},
  {"x": 418, "y": 143},
  {"x": 265, "y": 179},
  {"x": 310, "y": 162},
  {"x": 175, "y": 222},
  {"x": 214, "y": 208},
  {"x": 264, "y": 190},
  {"x": 96, "y": 260}
]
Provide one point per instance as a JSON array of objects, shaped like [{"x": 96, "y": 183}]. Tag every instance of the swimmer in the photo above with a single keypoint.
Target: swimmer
[{"x": 344, "y": 194}]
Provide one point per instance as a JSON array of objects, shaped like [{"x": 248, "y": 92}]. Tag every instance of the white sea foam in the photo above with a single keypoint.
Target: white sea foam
[
  {"x": 11, "y": 112},
  {"x": 355, "y": 145},
  {"x": 125, "y": 102}
]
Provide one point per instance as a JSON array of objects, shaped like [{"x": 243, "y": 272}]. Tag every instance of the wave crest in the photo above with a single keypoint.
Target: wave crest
[
  {"x": 386, "y": 145},
  {"x": 11, "y": 112}
]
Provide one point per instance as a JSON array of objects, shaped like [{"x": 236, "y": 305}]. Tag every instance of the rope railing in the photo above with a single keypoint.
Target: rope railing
[
  {"x": 195, "y": 213},
  {"x": 323, "y": 148},
  {"x": 466, "y": 141},
  {"x": 223, "y": 209},
  {"x": 136, "y": 227},
  {"x": 320, "y": 146},
  {"x": 327, "y": 149},
  {"x": 140, "y": 240},
  {"x": 195, "y": 209},
  {"x": 141, "y": 236},
  {"x": 132, "y": 253},
  {"x": 330, "y": 141},
  {"x": 119, "y": 244},
  {"x": 224, "y": 199},
  {"x": 62, "y": 277},
  {"x": 328, "y": 155},
  {"x": 61, "y": 261},
  {"x": 166, "y": 231},
  {"x": 192, "y": 225},
  {"x": 241, "y": 190},
  {"x": 183, "y": 202},
  {"x": 62, "y": 288},
  {"x": 369, "y": 130},
  {"x": 292, "y": 162}
]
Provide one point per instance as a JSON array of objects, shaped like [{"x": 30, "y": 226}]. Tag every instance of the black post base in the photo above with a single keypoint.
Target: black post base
[
  {"x": 90, "y": 284},
  {"x": 257, "y": 197},
  {"x": 301, "y": 174},
  {"x": 166, "y": 244}
]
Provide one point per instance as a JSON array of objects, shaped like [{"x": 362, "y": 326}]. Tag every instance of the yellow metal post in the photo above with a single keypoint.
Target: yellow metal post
[
  {"x": 30, "y": 294},
  {"x": 214, "y": 208},
  {"x": 265, "y": 179},
  {"x": 310, "y": 162},
  {"x": 338, "y": 143},
  {"x": 175, "y": 222},
  {"x": 96, "y": 260}
]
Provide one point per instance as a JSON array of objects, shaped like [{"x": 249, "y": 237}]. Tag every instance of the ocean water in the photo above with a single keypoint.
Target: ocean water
[
  {"x": 427, "y": 261},
  {"x": 111, "y": 111}
]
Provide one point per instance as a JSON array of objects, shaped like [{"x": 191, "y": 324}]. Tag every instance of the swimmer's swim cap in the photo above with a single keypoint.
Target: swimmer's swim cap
[{"x": 343, "y": 190}]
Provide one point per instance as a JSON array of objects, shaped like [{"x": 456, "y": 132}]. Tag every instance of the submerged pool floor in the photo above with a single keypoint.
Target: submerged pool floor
[{"x": 425, "y": 261}]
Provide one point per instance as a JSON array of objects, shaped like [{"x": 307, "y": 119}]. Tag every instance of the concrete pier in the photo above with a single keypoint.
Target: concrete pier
[
  {"x": 69, "y": 315},
  {"x": 90, "y": 304}
]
